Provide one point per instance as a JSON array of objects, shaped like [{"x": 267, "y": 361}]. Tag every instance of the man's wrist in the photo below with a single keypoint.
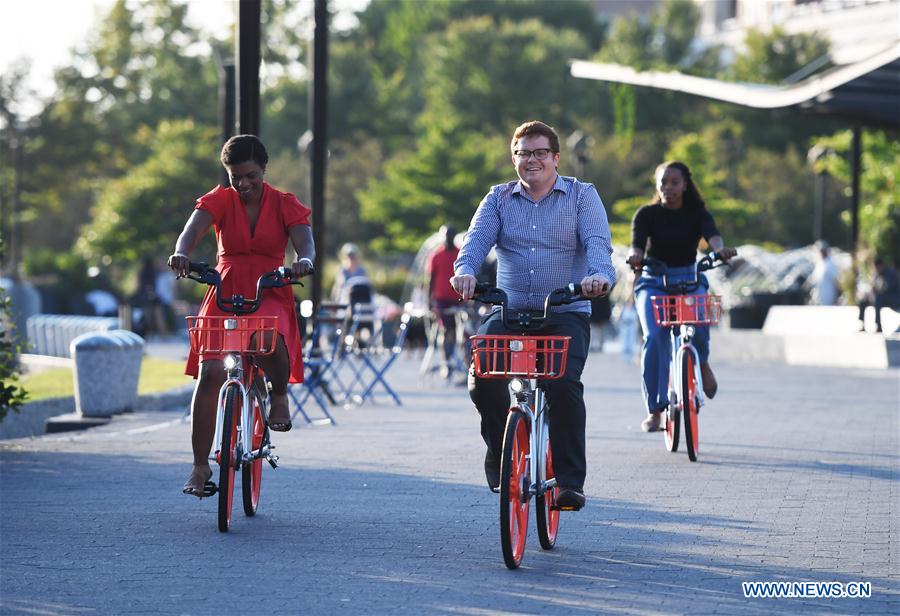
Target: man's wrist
[
  {"x": 307, "y": 259},
  {"x": 179, "y": 254}
]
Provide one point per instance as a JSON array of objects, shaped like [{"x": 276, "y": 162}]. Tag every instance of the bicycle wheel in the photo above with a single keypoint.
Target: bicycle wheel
[
  {"x": 673, "y": 422},
  {"x": 547, "y": 516},
  {"x": 251, "y": 473},
  {"x": 689, "y": 402},
  {"x": 514, "y": 478},
  {"x": 226, "y": 455}
]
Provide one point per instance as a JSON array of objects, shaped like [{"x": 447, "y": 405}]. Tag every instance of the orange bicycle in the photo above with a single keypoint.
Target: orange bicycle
[
  {"x": 682, "y": 312},
  {"x": 242, "y": 439},
  {"x": 526, "y": 465}
]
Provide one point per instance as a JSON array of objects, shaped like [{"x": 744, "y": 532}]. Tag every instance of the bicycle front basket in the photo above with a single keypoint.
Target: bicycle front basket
[
  {"x": 686, "y": 309},
  {"x": 212, "y": 335},
  {"x": 505, "y": 356}
]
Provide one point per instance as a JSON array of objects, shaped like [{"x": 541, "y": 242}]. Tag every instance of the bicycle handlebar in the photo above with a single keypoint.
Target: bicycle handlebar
[
  {"x": 238, "y": 304},
  {"x": 655, "y": 267},
  {"x": 526, "y": 320}
]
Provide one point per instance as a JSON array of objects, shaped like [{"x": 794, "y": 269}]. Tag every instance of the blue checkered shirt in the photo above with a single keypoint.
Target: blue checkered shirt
[{"x": 540, "y": 246}]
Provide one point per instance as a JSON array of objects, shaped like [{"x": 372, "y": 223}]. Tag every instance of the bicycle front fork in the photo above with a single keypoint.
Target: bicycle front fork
[
  {"x": 681, "y": 344},
  {"x": 528, "y": 399},
  {"x": 234, "y": 377}
]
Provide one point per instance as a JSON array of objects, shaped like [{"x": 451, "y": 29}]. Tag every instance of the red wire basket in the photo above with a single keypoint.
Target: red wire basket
[
  {"x": 233, "y": 334},
  {"x": 687, "y": 309},
  {"x": 504, "y": 356}
]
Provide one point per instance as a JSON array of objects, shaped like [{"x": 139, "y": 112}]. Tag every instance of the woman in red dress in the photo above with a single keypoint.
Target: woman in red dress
[{"x": 253, "y": 224}]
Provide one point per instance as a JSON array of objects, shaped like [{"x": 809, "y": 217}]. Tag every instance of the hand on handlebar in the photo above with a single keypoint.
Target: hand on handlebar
[
  {"x": 725, "y": 253},
  {"x": 302, "y": 268},
  {"x": 179, "y": 264},
  {"x": 635, "y": 261},
  {"x": 464, "y": 284},
  {"x": 595, "y": 286}
]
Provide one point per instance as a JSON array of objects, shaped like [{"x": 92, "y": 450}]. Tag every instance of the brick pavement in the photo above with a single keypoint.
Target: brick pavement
[{"x": 387, "y": 513}]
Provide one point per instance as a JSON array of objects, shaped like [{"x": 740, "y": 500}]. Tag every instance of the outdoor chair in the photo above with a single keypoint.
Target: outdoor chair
[{"x": 322, "y": 350}]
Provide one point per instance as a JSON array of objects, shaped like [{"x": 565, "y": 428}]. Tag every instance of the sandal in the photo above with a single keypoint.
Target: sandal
[
  {"x": 280, "y": 414},
  {"x": 200, "y": 483}
]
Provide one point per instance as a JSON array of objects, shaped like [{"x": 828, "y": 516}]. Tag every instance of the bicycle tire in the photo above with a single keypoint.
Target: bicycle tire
[
  {"x": 514, "y": 476},
  {"x": 673, "y": 426},
  {"x": 226, "y": 456},
  {"x": 547, "y": 517},
  {"x": 689, "y": 402},
  {"x": 251, "y": 473}
]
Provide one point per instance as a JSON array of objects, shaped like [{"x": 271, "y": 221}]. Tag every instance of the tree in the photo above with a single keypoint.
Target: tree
[
  {"x": 441, "y": 183},
  {"x": 478, "y": 81},
  {"x": 142, "y": 212},
  {"x": 481, "y": 75},
  {"x": 879, "y": 216},
  {"x": 772, "y": 57},
  {"x": 12, "y": 395}
]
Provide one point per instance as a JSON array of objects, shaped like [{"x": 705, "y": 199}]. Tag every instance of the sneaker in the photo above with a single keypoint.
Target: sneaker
[
  {"x": 492, "y": 471},
  {"x": 710, "y": 386},
  {"x": 570, "y": 499},
  {"x": 651, "y": 424}
]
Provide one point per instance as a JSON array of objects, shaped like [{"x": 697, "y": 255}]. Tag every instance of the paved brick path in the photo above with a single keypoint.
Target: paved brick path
[{"x": 387, "y": 513}]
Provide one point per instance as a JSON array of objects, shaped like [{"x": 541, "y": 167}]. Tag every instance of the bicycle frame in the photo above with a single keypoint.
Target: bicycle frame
[
  {"x": 681, "y": 344},
  {"x": 527, "y": 399},
  {"x": 681, "y": 335},
  {"x": 235, "y": 376}
]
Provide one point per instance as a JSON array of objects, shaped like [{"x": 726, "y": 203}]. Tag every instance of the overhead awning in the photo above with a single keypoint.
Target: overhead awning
[{"x": 866, "y": 92}]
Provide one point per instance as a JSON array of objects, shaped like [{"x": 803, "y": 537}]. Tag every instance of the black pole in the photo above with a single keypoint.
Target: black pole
[
  {"x": 855, "y": 160},
  {"x": 319, "y": 143},
  {"x": 14, "y": 227},
  {"x": 226, "y": 108},
  {"x": 248, "y": 66}
]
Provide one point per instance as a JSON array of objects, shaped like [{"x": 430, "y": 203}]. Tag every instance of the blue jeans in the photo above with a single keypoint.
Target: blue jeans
[{"x": 656, "y": 351}]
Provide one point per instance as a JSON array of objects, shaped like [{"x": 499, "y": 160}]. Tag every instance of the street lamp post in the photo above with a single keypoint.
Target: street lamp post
[{"x": 815, "y": 154}]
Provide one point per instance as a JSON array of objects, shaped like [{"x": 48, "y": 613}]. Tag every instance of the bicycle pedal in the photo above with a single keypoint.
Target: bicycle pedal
[
  {"x": 209, "y": 489},
  {"x": 558, "y": 508},
  {"x": 273, "y": 461}
]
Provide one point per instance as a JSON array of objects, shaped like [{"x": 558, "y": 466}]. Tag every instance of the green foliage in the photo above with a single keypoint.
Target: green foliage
[
  {"x": 623, "y": 101},
  {"x": 423, "y": 97},
  {"x": 661, "y": 41},
  {"x": 62, "y": 278},
  {"x": 12, "y": 394},
  {"x": 879, "y": 216},
  {"x": 142, "y": 212},
  {"x": 773, "y": 56},
  {"x": 441, "y": 183},
  {"x": 478, "y": 88},
  {"x": 479, "y": 76}
]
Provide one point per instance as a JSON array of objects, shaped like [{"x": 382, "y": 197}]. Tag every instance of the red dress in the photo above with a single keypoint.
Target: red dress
[{"x": 242, "y": 258}]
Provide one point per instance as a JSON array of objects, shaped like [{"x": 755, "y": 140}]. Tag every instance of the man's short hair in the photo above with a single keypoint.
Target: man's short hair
[{"x": 535, "y": 127}]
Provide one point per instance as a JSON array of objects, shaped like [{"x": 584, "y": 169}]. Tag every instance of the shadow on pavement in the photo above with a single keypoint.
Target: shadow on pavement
[{"x": 113, "y": 534}]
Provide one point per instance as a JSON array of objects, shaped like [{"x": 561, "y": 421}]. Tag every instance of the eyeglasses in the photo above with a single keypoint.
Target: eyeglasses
[{"x": 539, "y": 154}]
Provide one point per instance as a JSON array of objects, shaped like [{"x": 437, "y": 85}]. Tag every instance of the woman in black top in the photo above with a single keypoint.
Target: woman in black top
[{"x": 669, "y": 229}]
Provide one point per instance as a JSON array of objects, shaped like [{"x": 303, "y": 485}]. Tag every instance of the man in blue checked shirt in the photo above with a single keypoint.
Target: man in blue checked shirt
[{"x": 549, "y": 231}]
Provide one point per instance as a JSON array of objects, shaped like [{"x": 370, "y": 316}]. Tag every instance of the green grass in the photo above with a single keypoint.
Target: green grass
[{"x": 157, "y": 375}]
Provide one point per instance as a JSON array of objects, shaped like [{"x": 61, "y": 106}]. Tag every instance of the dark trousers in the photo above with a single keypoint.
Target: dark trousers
[
  {"x": 878, "y": 302},
  {"x": 447, "y": 321},
  {"x": 565, "y": 397}
]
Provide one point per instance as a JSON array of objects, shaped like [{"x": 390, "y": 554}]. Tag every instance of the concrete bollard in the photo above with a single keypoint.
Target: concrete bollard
[
  {"x": 134, "y": 355},
  {"x": 106, "y": 372}
]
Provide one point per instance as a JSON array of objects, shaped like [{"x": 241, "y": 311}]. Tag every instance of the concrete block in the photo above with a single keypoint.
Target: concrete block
[{"x": 106, "y": 372}]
